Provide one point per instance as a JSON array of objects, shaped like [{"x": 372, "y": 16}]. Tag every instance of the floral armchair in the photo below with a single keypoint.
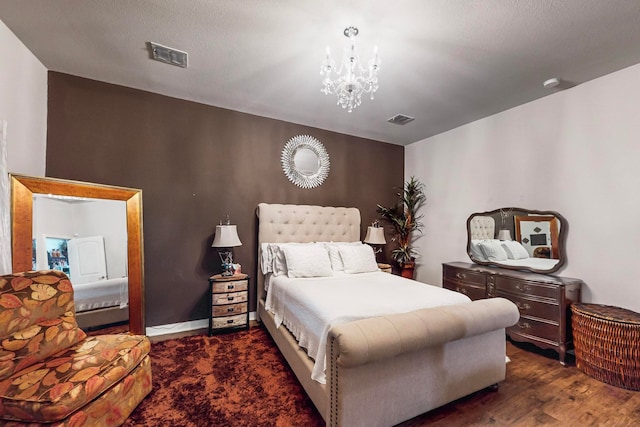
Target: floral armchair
[{"x": 51, "y": 372}]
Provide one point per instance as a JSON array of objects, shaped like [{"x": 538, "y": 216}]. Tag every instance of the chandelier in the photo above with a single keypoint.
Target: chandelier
[{"x": 351, "y": 80}]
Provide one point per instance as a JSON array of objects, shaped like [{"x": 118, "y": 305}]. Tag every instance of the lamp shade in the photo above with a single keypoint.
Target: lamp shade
[
  {"x": 504, "y": 235},
  {"x": 375, "y": 236},
  {"x": 226, "y": 237}
]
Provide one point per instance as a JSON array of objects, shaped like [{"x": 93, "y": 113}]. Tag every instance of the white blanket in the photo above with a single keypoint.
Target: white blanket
[
  {"x": 309, "y": 307},
  {"x": 101, "y": 294}
]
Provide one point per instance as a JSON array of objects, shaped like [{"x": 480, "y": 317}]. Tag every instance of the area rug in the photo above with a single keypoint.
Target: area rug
[{"x": 237, "y": 379}]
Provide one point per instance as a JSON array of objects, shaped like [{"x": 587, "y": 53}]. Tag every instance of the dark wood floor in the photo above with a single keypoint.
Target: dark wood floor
[{"x": 538, "y": 391}]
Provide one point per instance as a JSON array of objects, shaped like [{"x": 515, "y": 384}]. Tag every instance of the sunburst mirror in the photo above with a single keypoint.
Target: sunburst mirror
[{"x": 305, "y": 161}]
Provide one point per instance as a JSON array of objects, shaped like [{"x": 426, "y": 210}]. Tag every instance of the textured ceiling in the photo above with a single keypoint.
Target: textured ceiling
[{"x": 445, "y": 62}]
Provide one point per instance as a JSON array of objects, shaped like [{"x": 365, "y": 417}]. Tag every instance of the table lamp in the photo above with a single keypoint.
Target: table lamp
[
  {"x": 375, "y": 237},
  {"x": 225, "y": 239}
]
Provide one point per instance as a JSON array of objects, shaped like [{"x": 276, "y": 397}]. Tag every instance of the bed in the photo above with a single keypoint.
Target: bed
[
  {"x": 102, "y": 302},
  {"x": 388, "y": 368}
]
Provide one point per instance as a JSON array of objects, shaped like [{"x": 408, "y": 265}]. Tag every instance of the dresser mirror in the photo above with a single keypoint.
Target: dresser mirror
[
  {"x": 35, "y": 201},
  {"x": 518, "y": 239}
]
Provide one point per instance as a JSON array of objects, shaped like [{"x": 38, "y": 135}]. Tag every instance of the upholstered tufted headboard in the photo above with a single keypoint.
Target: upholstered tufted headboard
[
  {"x": 482, "y": 227},
  {"x": 304, "y": 223}
]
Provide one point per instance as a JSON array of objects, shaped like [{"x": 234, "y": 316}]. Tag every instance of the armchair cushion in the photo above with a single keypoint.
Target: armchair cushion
[{"x": 55, "y": 388}]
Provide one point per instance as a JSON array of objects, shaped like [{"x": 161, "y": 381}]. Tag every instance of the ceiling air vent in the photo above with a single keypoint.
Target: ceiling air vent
[
  {"x": 168, "y": 55},
  {"x": 401, "y": 119}
]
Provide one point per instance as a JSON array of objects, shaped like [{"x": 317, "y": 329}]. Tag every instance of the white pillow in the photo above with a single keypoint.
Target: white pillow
[
  {"x": 266, "y": 259},
  {"x": 279, "y": 263},
  {"x": 307, "y": 261},
  {"x": 334, "y": 253},
  {"x": 476, "y": 252},
  {"x": 358, "y": 259},
  {"x": 492, "y": 250},
  {"x": 514, "y": 250}
]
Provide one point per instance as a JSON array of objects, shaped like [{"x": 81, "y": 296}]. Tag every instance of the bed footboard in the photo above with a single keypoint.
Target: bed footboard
[{"x": 388, "y": 369}]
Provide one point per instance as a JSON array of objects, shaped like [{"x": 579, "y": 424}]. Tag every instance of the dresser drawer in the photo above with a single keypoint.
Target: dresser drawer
[
  {"x": 229, "y": 321},
  {"x": 228, "y": 309},
  {"x": 531, "y": 307},
  {"x": 536, "y": 329},
  {"x": 524, "y": 287},
  {"x": 234, "y": 286},
  {"x": 229, "y": 298},
  {"x": 473, "y": 292},
  {"x": 466, "y": 276}
]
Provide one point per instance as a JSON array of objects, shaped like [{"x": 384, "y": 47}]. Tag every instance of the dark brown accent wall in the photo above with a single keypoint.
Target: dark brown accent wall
[{"x": 196, "y": 163}]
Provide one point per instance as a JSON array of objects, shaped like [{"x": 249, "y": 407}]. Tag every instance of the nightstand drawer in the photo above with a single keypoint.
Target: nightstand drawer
[
  {"x": 229, "y": 298},
  {"x": 228, "y": 309},
  {"x": 520, "y": 287},
  {"x": 231, "y": 286},
  {"x": 229, "y": 321}
]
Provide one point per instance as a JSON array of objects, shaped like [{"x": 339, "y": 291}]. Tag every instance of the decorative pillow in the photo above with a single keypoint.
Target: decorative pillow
[
  {"x": 514, "y": 250},
  {"x": 492, "y": 250},
  {"x": 358, "y": 259},
  {"x": 37, "y": 342},
  {"x": 278, "y": 261},
  {"x": 334, "y": 253},
  {"x": 266, "y": 259},
  {"x": 307, "y": 261},
  {"x": 476, "y": 251}
]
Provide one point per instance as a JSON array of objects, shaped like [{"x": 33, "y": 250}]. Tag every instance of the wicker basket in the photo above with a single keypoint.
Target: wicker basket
[{"x": 607, "y": 344}]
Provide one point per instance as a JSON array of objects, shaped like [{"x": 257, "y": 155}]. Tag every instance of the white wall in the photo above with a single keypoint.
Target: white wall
[
  {"x": 107, "y": 218},
  {"x": 576, "y": 152},
  {"x": 23, "y": 106}
]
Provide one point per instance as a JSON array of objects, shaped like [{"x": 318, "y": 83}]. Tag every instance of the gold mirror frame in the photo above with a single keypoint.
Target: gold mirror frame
[{"x": 22, "y": 191}]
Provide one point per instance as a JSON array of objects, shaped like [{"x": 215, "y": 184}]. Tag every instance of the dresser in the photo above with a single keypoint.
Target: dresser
[
  {"x": 544, "y": 301},
  {"x": 228, "y": 302}
]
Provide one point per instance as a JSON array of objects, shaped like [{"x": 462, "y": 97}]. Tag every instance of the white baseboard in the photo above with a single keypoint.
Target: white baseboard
[{"x": 191, "y": 325}]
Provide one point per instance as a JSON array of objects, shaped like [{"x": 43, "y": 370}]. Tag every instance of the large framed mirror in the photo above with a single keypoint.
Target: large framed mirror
[
  {"x": 519, "y": 239},
  {"x": 27, "y": 209}
]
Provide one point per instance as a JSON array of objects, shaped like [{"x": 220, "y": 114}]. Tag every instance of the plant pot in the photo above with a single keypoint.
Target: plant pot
[{"x": 408, "y": 269}]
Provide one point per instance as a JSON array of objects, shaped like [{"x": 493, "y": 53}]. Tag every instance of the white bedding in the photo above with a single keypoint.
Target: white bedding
[
  {"x": 309, "y": 307},
  {"x": 101, "y": 294}
]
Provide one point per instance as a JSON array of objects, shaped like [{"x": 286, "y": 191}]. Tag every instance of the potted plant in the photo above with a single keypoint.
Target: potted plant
[{"x": 404, "y": 219}]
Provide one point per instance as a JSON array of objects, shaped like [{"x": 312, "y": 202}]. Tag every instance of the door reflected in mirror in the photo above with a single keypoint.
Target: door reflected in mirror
[{"x": 517, "y": 238}]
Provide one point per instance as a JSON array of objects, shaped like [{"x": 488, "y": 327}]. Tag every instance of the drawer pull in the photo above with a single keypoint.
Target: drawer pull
[
  {"x": 523, "y": 325},
  {"x": 523, "y": 288},
  {"x": 230, "y": 298},
  {"x": 523, "y": 307},
  {"x": 230, "y": 310},
  {"x": 230, "y": 321},
  {"x": 229, "y": 287},
  {"x": 461, "y": 276},
  {"x": 461, "y": 290}
]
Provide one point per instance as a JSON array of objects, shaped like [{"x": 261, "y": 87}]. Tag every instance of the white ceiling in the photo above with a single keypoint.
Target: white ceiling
[{"x": 445, "y": 62}]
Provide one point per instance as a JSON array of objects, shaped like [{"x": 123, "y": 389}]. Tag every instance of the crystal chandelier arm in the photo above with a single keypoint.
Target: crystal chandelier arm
[{"x": 351, "y": 79}]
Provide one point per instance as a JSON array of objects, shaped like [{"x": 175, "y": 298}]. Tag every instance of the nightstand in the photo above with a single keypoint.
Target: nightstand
[
  {"x": 386, "y": 268},
  {"x": 228, "y": 303}
]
